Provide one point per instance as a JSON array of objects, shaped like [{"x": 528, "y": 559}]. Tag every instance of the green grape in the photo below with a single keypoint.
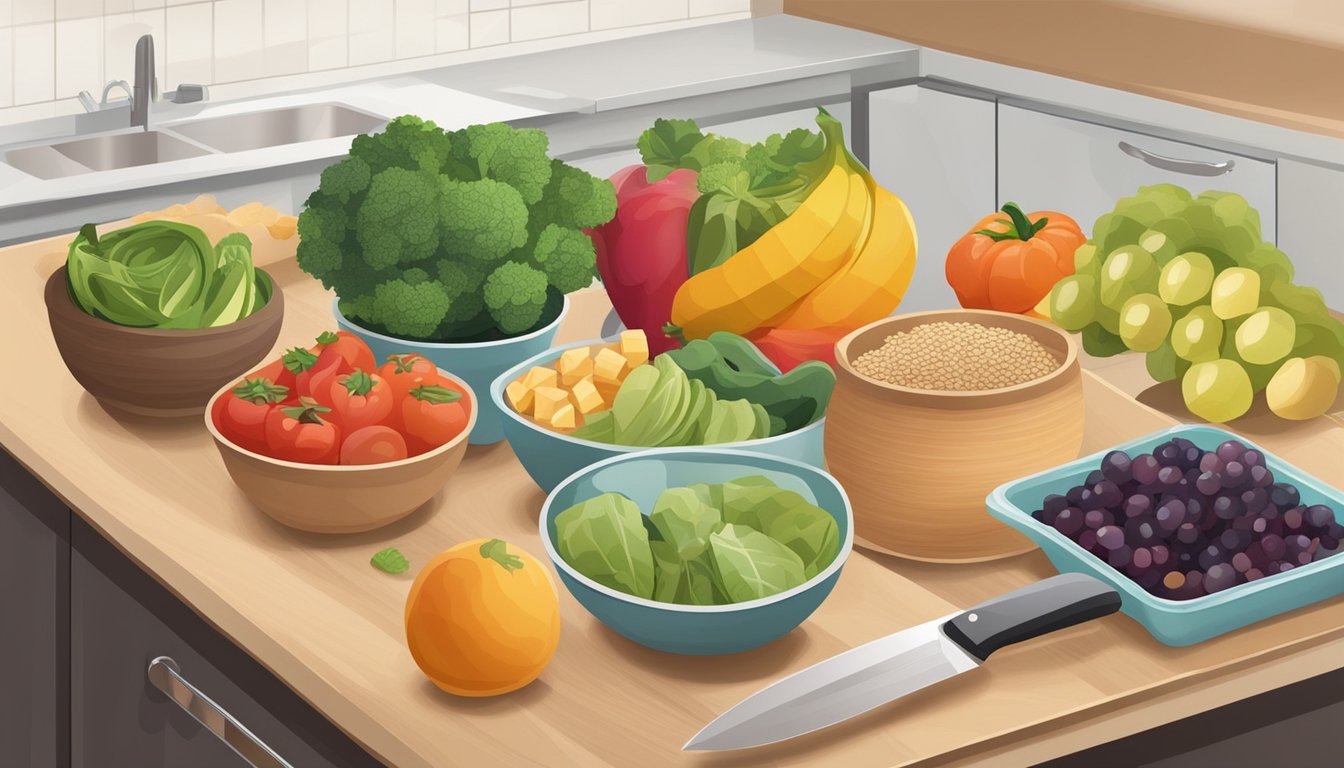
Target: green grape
[
  {"x": 1304, "y": 303},
  {"x": 1235, "y": 292},
  {"x": 1303, "y": 388},
  {"x": 1217, "y": 390},
  {"x": 1233, "y": 210},
  {"x": 1086, "y": 260},
  {"x": 1157, "y": 243},
  {"x": 1073, "y": 302},
  {"x": 1109, "y": 318},
  {"x": 1163, "y": 364},
  {"x": 1170, "y": 198},
  {"x": 1128, "y": 270},
  {"x": 1185, "y": 279},
  {"x": 1198, "y": 336},
  {"x": 1266, "y": 336},
  {"x": 1145, "y": 322},
  {"x": 1099, "y": 342},
  {"x": 1320, "y": 338},
  {"x": 1259, "y": 374}
]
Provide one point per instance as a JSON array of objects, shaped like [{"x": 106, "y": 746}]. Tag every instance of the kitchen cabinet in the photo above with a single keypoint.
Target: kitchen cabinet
[
  {"x": 936, "y": 151},
  {"x": 1311, "y": 198},
  {"x": 120, "y": 620},
  {"x": 34, "y": 634},
  {"x": 1047, "y": 162}
]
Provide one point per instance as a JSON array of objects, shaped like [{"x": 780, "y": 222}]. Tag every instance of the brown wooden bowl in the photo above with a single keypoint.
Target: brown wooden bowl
[
  {"x": 328, "y": 498},
  {"x": 156, "y": 371},
  {"x": 918, "y": 464}
]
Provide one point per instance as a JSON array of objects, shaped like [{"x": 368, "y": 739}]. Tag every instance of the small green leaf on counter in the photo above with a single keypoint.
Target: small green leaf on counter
[{"x": 390, "y": 560}]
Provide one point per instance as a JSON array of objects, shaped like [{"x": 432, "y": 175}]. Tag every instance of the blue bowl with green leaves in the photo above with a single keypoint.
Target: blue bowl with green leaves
[
  {"x": 697, "y": 630},
  {"x": 477, "y": 363}
]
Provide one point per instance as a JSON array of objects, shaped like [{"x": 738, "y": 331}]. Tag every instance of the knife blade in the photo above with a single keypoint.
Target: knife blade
[{"x": 888, "y": 668}]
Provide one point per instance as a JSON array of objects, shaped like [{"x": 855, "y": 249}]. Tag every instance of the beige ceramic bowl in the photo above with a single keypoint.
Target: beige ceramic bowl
[
  {"x": 156, "y": 371},
  {"x": 324, "y": 498},
  {"x": 918, "y": 464}
]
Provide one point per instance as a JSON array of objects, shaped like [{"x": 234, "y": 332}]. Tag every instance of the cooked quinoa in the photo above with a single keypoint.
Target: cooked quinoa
[{"x": 960, "y": 357}]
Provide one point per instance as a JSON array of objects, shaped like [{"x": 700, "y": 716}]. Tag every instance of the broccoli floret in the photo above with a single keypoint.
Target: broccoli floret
[
  {"x": 723, "y": 175},
  {"x": 566, "y": 256},
  {"x": 346, "y": 179},
  {"x": 406, "y": 142},
  {"x": 482, "y": 220},
  {"x": 463, "y": 282},
  {"x": 322, "y": 231},
  {"x": 515, "y": 294},
  {"x": 415, "y": 276},
  {"x": 515, "y": 156},
  {"x": 574, "y": 198},
  {"x": 396, "y": 222},
  {"x": 405, "y": 309}
]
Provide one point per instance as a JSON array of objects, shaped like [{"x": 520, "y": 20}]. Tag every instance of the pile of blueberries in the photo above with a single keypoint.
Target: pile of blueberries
[{"x": 1183, "y": 522}]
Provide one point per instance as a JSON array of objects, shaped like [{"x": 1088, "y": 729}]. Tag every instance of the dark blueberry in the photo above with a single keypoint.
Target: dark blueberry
[
  {"x": 1261, "y": 477},
  {"x": 1273, "y": 546},
  {"x": 1142, "y": 558},
  {"x": 1169, "y": 476},
  {"x": 1120, "y": 556},
  {"x": 1320, "y": 517},
  {"x": 1208, "y": 483},
  {"x": 1294, "y": 519},
  {"x": 1191, "y": 457},
  {"x": 1296, "y": 544},
  {"x": 1253, "y": 458},
  {"x": 1116, "y": 467},
  {"x": 1168, "y": 453},
  {"x": 1219, "y": 577},
  {"x": 1241, "y": 562},
  {"x": 1088, "y": 540},
  {"x": 1144, "y": 469},
  {"x": 1194, "y": 510},
  {"x": 1234, "y": 541},
  {"x": 1094, "y": 477},
  {"x": 1284, "y": 496},
  {"x": 1255, "y": 500},
  {"x": 1235, "y": 475},
  {"x": 1254, "y": 574},
  {"x": 1054, "y": 503},
  {"x": 1069, "y": 521},
  {"x": 1095, "y": 518},
  {"x": 1074, "y": 495},
  {"x": 1187, "y": 534},
  {"x": 1108, "y": 493},
  {"x": 1171, "y": 515},
  {"x": 1211, "y": 555},
  {"x": 1141, "y": 531},
  {"x": 1138, "y": 504},
  {"x": 1161, "y": 555},
  {"x": 1089, "y": 500},
  {"x": 1211, "y": 463},
  {"x": 1231, "y": 450},
  {"x": 1227, "y": 507},
  {"x": 1110, "y": 537}
]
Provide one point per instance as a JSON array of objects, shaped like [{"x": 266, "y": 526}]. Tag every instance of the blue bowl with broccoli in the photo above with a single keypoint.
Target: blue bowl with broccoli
[
  {"x": 736, "y": 524},
  {"x": 550, "y": 456},
  {"x": 477, "y": 363}
]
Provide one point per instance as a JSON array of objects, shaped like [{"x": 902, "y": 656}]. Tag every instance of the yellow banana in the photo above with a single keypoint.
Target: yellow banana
[
  {"x": 766, "y": 278},
  {"x": 873, "y": 282}
]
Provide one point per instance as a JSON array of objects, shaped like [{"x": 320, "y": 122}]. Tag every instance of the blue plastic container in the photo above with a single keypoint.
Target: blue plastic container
[
  {"x": 550, "y": 457},
  {"x": 1177, "y": 622},
  {"x": 477, "y": 363},
  {"x": 689, "y": 629}
]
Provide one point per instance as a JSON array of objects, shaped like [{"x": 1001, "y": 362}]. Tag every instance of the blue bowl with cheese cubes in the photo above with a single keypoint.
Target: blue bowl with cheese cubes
[{"x": 550, "y": 456}]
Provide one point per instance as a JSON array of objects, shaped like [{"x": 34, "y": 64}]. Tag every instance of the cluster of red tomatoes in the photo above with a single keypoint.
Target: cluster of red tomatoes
[{"x": 333, "y": 404}]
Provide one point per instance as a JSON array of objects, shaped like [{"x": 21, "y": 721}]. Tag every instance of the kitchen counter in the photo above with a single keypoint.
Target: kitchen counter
[
  {"x": 311, "y": 610},
  {"x": 1279, "y": 71}
]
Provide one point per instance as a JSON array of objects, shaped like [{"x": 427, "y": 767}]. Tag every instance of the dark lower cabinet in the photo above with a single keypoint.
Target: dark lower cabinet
[{"x": 34, "y": 621}]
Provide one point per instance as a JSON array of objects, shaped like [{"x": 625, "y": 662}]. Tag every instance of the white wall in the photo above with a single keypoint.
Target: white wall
[{"x": 52, "y": 49}]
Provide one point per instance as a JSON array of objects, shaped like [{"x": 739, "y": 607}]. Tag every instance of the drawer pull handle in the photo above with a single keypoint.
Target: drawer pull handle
[
  {"x": 165, "y": 675},
  {"x": 1177, "y": 165}
]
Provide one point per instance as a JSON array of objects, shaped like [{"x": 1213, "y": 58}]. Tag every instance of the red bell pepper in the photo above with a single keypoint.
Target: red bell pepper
[
  {"x": 788, "y": 348},
  {"x": 641, "y": 253}
]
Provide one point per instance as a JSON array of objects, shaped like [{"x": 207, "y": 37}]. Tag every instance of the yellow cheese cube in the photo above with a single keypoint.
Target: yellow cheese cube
[
  {"x": 574, "y": 365},
  {"x": 609, "y": 366},
  {"x": 634, "y": 347},
  {"x": 563, "y": 418},
  {"x": 586, "y": 397},
  {"x": 540, "y": 376},
  {"x": 520, "y": 397},
  {"x": 547, "y": 400}
]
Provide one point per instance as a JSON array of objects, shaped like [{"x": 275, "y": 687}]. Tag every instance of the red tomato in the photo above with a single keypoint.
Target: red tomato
[
  {"x": 276, "y": 372},
  {"x": 433, "y": 414},
  {"x": 299, "y": 433},
  {"x": 316, "y": 382},
  {"x": 377, "y": 444},
  {"x": 240, "y": 415},
  {"x": 406, "y": 372},
  {"x": 348, "y": 346},
  {"x": 359, "y": 400}
]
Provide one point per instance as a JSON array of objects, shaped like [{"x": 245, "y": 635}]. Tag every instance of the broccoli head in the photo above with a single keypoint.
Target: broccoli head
[
  {"x": 515, "y": 295},
  {"x": 396, "y": 222},
  {"x": 574, "y": 198},
  {"x": 403, "y": 308},
  {"x": 346, "y": 179},
  {"x": 322, "y": 230},
  {"x": 481, "y": 220},
  {"x": 566, "y": 256},
  {"x": 515, "y": 156},
  {"x": 406, "y": 142},
  {"x": 464, "y": 283}
]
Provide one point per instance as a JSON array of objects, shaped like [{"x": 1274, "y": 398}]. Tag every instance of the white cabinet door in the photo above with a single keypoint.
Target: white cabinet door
[
  {"x": 935, "y": 151},
  {"x": 1311, "y": 199},
  {"x": 1055, "y": 163}
]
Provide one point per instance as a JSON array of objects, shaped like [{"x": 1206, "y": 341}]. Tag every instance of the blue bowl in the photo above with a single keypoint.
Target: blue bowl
[
  {"x": 690, "y": 629},
  {"x": 476, "y": 363},
  {"x": 550, "y": 456},
  {"x": 1176, "y": 622}
]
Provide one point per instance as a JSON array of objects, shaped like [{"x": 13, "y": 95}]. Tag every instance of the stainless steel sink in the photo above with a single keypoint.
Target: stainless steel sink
[
  {"x": 101, "y": 153},
  {"x": 291, "y": 125}
]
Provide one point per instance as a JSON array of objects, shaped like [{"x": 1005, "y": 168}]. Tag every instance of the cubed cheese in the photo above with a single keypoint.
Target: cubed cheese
[
  {"x": 586, "y": 397},
  {"x": 546, "y": 401},
  {"x": 607, "y": 389},
  {"x": 634, "y": 347},
  {"x": 540, "y": 376},
  {"x": 574, "y": 366},
  {"x": 520, "y": 397},
  {"x": 609, "y": 366},
  {"x": 564, "y": 417}
]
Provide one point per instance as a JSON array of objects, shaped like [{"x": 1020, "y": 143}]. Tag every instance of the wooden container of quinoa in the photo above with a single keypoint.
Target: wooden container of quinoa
[{"x": 918, "y": 461}]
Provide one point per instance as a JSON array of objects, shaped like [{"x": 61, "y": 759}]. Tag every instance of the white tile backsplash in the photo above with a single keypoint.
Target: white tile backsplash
[{"x": 52, "y": 49}]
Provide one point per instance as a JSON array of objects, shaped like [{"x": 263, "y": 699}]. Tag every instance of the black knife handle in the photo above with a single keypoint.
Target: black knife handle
[{"x": 1035, "y": 610}]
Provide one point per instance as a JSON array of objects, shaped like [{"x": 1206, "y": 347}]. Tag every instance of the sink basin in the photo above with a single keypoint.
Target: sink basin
[
  {"x": 291, "y": 125},
  {"x": 101, "y": 153}
]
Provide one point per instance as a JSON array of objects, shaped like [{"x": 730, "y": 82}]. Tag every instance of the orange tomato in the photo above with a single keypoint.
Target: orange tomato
[
  {"x": 316, "y": 379},
  {"x": 482, "y": 619},
  {"x": 1010, "y": 264},
  {"x": 299, "y": 433},
  {"x": 240, "y": 414},
  {"x": 348, "y": 346},
  {"x": 405, "y": 372},
  {"x": 359, "y": 399},
  {"x": 377, "y": 444},
  {"x": 433, "y": 414}
]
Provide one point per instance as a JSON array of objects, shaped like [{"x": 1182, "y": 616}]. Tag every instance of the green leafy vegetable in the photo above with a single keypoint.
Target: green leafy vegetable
[
  {"x": 163, "y": 274},
  {"x": 750, "y": 565},
  {"x": 390, "y": 560},
  {"x": 789, "y": 519},
  {"x": 604, "y": 539}
]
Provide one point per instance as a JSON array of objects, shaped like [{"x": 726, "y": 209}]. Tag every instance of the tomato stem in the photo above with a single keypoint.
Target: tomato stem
[
  {"x": 327, "y": 337},
  {"x": 433, "y": 393},
  {"x": 297, "y": 360},
  {"x": 498, "y": 551},
  {"x": 306, "y": 412},
  {"x": 260, "y": 391},
  {"x": 358, "y": 383},
  {"x": 403, "y": 363},
  {"x": 1019, "y": 226}
]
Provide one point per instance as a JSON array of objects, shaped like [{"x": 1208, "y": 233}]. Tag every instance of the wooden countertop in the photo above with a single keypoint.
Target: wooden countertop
[
  {"x": 312, "y": 610},
  {"x": 1238, "y": 57}
]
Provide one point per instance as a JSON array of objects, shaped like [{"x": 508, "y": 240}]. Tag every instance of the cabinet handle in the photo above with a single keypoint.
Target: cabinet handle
[
  {"x": 1177, "y": 165},
  {"x": 165, "y": 675}
]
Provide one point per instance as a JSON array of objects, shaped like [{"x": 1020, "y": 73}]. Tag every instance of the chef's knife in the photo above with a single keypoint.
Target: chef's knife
[{"x": 886, "y": 669}]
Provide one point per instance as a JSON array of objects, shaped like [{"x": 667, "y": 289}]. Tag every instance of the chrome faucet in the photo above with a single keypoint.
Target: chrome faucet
[{"x": 146, "y": 89}]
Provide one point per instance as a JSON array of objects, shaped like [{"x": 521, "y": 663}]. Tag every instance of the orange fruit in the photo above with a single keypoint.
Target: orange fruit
[{"x": 482, "y": 619}]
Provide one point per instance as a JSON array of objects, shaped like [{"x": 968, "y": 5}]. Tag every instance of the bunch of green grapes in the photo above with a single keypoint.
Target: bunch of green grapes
[{"x": 1190, "y": 282}]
